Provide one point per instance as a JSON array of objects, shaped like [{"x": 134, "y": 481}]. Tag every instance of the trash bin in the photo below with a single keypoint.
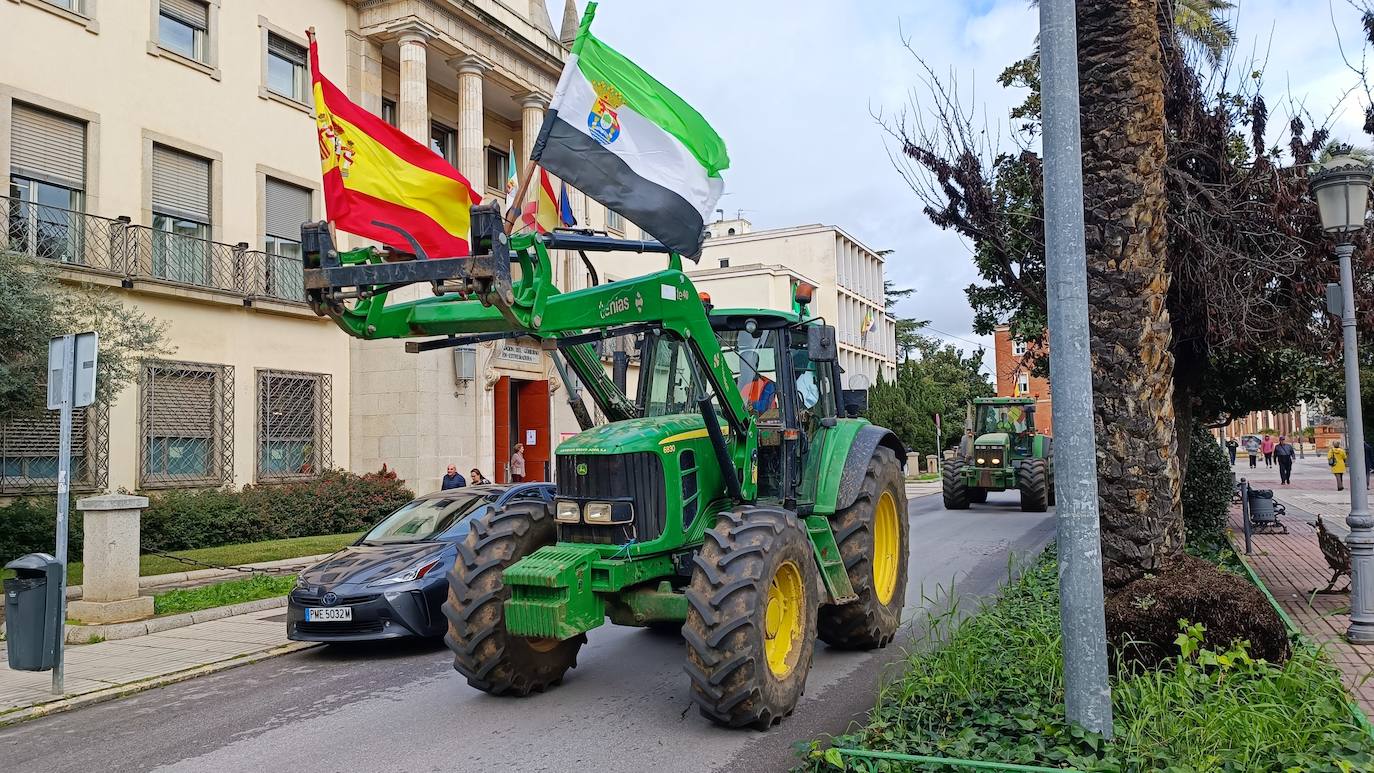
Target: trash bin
[
  {"x": 31, "y": 609},
  {"x": 1262, "y": 506}
]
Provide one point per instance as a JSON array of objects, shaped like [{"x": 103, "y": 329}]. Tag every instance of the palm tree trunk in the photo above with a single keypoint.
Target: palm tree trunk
[{"x": 1122, "y": 91}]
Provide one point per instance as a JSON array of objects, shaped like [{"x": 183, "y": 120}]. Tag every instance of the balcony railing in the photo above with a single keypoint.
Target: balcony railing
[{"x": 116, "y": 247}]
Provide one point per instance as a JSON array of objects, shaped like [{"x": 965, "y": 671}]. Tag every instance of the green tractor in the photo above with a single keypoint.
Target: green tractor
[
  {"x": 731, "y": 498},
  {"x": 1001, "y": 450}
]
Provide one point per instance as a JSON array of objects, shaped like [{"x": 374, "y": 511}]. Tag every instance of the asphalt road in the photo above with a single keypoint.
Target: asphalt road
[{"x": 624, "y": 708}]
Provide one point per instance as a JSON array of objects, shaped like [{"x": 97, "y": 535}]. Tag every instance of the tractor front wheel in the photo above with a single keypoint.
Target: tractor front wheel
[
  {"x": 494, "y": 660},
  {"x": 873, "y": 539},
  {"x": 751, "y": 617},
  {"x": 953, "y": 487},
  {"x": 1034, "y": 482}
]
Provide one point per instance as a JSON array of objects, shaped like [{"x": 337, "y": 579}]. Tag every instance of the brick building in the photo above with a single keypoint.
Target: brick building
[{"x": 1012, "y": 365}]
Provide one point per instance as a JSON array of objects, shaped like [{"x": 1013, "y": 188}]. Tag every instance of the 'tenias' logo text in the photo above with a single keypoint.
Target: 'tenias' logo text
[{"x": 613, "y": 306}]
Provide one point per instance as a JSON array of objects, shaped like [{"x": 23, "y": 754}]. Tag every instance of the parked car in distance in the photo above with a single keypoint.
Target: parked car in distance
[{"x": 392, "y": 582}]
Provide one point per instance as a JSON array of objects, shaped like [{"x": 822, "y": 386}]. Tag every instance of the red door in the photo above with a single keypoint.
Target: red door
[
  {"x": 532, "y": 416},
  {"x": 501, "y": 426}
]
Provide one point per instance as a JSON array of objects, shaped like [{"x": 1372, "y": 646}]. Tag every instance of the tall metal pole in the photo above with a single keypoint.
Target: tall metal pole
[
  {"x": 1087, "y": 696},
  {"x": 64, "y": 465},
  {"x": 1361, "y": 537}
]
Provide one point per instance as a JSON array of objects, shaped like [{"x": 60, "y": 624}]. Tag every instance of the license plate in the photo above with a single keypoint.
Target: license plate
[{"x": 328, "y": 614}]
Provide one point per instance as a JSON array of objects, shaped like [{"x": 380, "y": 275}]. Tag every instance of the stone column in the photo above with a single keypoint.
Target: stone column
[
  {"x": 414, "y": 107},
  {"x": 532, "y": 108},
  {"x": 472, "y": 157},
  {"x": 109, "y": 581}
]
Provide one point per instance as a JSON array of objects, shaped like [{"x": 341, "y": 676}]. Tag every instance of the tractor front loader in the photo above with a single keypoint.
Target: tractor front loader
[{"x": 729, "y": 497}]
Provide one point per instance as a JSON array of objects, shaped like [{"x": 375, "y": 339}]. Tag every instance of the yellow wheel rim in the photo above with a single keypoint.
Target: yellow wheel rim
[
  {"x": 886, "y": 548},
  {"x": 782, "y": 619}
]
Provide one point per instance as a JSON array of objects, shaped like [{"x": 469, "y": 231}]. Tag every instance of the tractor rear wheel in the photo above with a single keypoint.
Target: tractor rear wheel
[
  {"x": 977, "y": 495},
  {"x": 873, "y": 538},
  {"x": 493, "y": 660},
  {"x": 953, "y": 487},
  {"x": 751, "y": 617},
  {"x": 1032, "y": 480}
]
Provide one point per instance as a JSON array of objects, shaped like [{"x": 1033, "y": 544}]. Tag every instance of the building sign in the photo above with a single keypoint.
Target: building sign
[{"x": 516, "y": 353}]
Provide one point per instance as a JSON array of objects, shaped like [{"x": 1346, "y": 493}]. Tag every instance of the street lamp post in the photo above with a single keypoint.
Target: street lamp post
[{"x": 1342, "y": 190}]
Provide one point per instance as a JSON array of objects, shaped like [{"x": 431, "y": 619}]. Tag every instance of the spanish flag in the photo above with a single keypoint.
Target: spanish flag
[
  {"x": 374, "y": 174},
  {"x": 540, "y": 214}
]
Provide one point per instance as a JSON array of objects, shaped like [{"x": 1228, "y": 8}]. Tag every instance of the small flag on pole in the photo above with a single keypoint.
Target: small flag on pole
[
  {"x": 565, "y": 213},
  {"x": 510, "y": 177},
  {"x": 541, "y": 212}
]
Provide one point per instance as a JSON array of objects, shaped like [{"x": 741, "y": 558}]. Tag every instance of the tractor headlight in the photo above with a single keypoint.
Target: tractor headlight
[
  {"x": 567, "y": 511},
  {"x": 981, "y": 460},
  {"x": 996, "y": 461},
  {"x": 610, "y": 512},
  {"x": 598, "y": 512}
]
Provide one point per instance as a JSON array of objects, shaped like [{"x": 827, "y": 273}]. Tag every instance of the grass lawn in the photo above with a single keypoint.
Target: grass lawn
[
  {"x": 259, "y": 586},
  {"x": 231, "y": 555},
  {"x": 995, "y": 691}
]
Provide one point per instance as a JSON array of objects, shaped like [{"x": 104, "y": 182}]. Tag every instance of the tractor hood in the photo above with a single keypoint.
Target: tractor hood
[
  {"x": 632, "y": 435},
  {"x": 998, "y": 439}
]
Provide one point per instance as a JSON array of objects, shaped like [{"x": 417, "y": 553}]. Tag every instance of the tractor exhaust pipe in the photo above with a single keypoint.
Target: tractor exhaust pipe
[{"x": 727, "y": 467}]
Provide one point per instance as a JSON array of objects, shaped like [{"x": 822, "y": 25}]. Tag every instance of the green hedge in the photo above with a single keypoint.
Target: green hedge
[
  {"x": 333, "y": 503},
  {"x": 1206, "y": 490}
]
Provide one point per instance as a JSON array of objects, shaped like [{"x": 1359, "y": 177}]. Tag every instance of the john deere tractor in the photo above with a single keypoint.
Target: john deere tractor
[
  {"x": 728, "y": 498},
  {"x": 1001, "y": 450}
]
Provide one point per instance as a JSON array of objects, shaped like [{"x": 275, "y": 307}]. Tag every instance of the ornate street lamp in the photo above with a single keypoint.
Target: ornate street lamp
[{"x": 1341, "y": 186}]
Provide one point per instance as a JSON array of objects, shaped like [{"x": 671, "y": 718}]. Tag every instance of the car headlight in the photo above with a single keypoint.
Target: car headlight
[
  {"x": 301, "y": 584},
  {"x": 410, "y": 575},
  {"x": 598, "y": 512},
  {"x": 567, "y": 511}
]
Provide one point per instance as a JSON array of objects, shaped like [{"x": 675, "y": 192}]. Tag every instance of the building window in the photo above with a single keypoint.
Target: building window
[
  {"x": 1022, "y": 383},
  {"x": 183, "y": 27},
  {"x": 181, "y": 251},
  {"x": 724, "y": 262},
  {"x": 1018, "y": 348},
  {"x": 614, "y": 222},
  {"x": 287, "y": 75},
  {"x": 186, "y": 424},
  {"x": 286, "y": 207},
  {"x": 294, "y": 418},
  {"x": 730, "y": 232},
  {"x": 47, "y": 184},
  {"x": 28, "y": 451},
  {"x": 498, "y": 168},
  {"x": 389, "y": 110},
  {"x": 441, "y": 141}
]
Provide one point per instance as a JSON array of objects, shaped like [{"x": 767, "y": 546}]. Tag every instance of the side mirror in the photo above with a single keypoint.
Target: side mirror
[
  {"x": 855, "y": 402},
  {"x": 820, "y": 343}
]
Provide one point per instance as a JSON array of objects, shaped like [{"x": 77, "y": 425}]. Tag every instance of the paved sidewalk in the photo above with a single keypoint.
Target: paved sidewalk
[
  {"x": 113, "y": 668},
  {"x": 1292, "y": 566},
  {"x": 921, "y": 488}
]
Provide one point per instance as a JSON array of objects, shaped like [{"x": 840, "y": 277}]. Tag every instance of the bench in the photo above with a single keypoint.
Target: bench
[{"x": 1337, "y": 555}]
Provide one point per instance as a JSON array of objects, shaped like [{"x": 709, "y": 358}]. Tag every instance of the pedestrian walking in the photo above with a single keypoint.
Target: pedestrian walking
[
  {"x": 452, "y": 479},
  {"x": 1335, "y": 459},
  {"x": 517, "y": 463},
  {"x": 1283, "y": 454},
  {"x": 1267, "y": 448},
  {"x": 1231, "y": 446},
  {"x": 1252, "y": 447}
]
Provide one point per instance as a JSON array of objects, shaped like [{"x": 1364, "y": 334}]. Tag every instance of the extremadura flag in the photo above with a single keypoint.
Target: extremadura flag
[
  {"x": 624, "y": 139},
  {"x": 374, "y": 174}
]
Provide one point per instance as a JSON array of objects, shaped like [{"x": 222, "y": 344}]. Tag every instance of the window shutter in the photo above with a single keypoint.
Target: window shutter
[
  {"x": 38, "y": 435},
  {"x": 285, "y": 49},
  {"x": 288, "y": 206},
  {"x": 182, "y": 404},
  {"x": 192, "y": 12},
  {"x": 181, "y": 184},
  {"x": 48, "y": 147}
]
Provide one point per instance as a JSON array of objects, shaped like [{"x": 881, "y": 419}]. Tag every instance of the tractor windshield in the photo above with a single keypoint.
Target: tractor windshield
[
  {"x": 752, "y": 357},
  {"x": 1002, "y": 418},
  {"x": 671, "y": 378}
]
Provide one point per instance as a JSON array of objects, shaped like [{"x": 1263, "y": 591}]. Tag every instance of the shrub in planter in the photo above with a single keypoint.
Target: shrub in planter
[
  {"x": 1206, "y": 490},
  {"x": 1143, "y": 617},
  {"x": 29, "y": 525}
]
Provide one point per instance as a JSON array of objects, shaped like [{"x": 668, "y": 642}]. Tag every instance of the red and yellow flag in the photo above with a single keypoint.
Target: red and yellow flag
[
  {"x": 373, "y": 173},
  {"x": 540, "y": 213}
]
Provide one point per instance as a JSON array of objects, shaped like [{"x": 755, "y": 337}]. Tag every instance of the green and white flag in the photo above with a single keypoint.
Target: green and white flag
[{"x": 624, "y": 139}]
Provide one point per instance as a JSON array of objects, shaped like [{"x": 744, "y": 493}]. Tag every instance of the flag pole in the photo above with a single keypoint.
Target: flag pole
[{"x": 520, "y": 191}]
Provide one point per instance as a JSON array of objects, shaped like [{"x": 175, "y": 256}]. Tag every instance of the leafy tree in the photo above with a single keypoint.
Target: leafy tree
[
  {"x": 38, "y": 306},
  {"x": 941, "y": 379}
]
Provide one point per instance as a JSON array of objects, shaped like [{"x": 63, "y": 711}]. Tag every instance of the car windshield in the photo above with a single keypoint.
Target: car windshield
[{"x": 423, "y": 519}]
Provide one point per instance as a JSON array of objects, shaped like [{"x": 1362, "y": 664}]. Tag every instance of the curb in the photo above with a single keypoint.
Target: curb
[
  {"x": 82, "y": 634},
  {"x": 154, "y": 580},
  {"x": 123, "y": 690}
]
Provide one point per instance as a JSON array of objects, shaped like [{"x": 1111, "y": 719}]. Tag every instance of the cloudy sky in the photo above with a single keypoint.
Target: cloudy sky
[{"x": 792, "y": 87}]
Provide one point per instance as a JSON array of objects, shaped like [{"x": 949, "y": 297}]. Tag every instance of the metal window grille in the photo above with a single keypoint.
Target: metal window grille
[
  {"x": 295, "y": 418},
  {"x": 28, "y": 451},
  {"x": 186, "y": 424}
]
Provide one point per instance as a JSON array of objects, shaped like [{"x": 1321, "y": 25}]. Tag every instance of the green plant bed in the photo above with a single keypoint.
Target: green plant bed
[
  {"x": 995, "y": 692},
  {"x": 259, "y": 586}
]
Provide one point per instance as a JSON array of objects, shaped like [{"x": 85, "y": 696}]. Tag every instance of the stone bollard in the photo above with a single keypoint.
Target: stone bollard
[
  {"x": 932, "y": 463},
  {"x": 109, "y": 580}
]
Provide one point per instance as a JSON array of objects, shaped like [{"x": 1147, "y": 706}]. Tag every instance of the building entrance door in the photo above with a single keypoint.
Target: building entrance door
[{"x": 522, "y": 417}]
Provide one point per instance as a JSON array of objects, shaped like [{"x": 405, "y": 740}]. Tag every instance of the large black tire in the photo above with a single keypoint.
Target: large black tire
[
  {"x": 750, "y": 551},
  {"x": 1033, "y": 482},
  {"x": 952, "y": 485},
  {"x": 871, "y": 620},
  {"x": 977, "y": 495},
  {"x": 493, "y": 660}
]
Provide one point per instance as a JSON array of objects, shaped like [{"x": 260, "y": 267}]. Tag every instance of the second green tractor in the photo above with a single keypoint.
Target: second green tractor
[{"x": 1000, "y": 451}]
